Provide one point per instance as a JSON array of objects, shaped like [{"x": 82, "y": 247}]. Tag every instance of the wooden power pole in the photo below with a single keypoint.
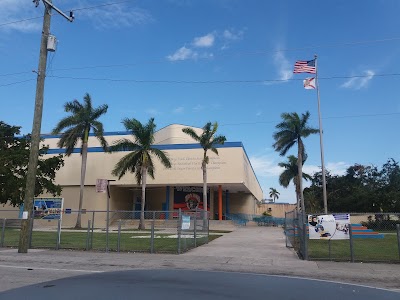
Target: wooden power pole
[{"x": 26, "y": 227}]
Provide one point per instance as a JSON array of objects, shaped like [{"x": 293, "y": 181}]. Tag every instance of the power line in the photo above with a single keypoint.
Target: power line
[
  {"x": 333, "y": 117},
  {"x": 216, "y": 81},
  {"x": 74, "y": 9},
  {"x": 17, "y": 82},
  {"x": 20, "y": 21},
  {"x": 100, "y": 5},
  {"x": 243, "y": 53}
]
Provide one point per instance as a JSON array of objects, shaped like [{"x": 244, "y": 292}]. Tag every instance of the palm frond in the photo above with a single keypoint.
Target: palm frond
[
  {"x": 129, "y": 162},
  {"x": 73, "y": 107},
  {"x": 99, "y": 111},
  {"x": 162, "y": 156},
  {"x": 88, "y": 102},
  {"x": 65, "y": 123},
  {"x": 99, "y": 134},
  {"x": 124, "y": 145},
  {"x": 189, "y": 131}
]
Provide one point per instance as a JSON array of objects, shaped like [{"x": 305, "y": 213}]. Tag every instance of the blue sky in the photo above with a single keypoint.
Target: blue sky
[{"x": 243, "y": 50}]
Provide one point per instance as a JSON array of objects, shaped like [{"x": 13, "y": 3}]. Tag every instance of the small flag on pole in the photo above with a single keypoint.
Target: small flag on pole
[
  {"x": 305, "y": 66},
  {"x": 309, "y": 83}
]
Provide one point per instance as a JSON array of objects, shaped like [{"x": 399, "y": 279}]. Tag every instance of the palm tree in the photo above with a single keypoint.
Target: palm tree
[
  {"x": 208, "y": 141},
  {"x": 291, "y": 131},
  {"x": 291, "y": 173},
  {"x": 140, "y": 160},
  {"x": 77, "y": 127},
  {"x": 273, "y": 193}
]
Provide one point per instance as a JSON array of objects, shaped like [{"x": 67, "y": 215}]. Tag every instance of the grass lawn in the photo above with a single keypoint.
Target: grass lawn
[
  {"x": 77, "y": 240},
  {"x": 385, "y": 249}
]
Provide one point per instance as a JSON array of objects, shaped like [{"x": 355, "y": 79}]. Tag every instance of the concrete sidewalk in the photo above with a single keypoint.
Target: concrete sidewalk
[{"x": 248, "y": 249}]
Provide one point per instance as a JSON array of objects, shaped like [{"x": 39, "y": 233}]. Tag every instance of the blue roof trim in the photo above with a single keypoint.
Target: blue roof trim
[
  {"x": 160, "y": 147},
  {"x": 57, "y": 136}
]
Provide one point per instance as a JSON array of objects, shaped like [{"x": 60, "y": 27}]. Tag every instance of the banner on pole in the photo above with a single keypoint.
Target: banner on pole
[
  {"x": 329, "y": 227},
  {"x": 101, "y": 185}
]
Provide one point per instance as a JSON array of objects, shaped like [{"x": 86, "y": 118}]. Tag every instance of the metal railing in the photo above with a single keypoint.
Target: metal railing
[
  {"x": 165, "y": 231},
  {"x": 372, "y": 237}
]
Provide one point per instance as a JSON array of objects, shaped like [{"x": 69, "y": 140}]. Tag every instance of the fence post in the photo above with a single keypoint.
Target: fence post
[
  {"x": 398, "y": 238},
  {"x": 91, "y": 237},
  {"x": 351, "y": 243},
  {"x": 305, "y": 235},
  {"x": 179, "y": 230},
  {"x": 88, "y": 236},
  {"x": 3, "y": 232},
  {"x": 208, "y": 228},
  {"x": 152, "y": 237},
  {"x": 31, "y": 231},
  {"x": 119, "y": 236},
  {"x": 285, "y": 230},
  {"x": 195, "y": 229},
  {"x": 58, "y": 234}
]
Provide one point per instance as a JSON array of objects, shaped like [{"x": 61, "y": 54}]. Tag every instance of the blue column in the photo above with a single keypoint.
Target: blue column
[
  {"x": 226, "y": 202},
  {"x": 167, "y": 203}
]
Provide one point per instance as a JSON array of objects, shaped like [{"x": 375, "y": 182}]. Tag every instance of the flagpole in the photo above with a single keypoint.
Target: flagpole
[{"x": 321, "y": 140}]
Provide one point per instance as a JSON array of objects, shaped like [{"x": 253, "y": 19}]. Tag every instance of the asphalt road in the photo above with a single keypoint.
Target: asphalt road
[{"x": 186, "y": 284}]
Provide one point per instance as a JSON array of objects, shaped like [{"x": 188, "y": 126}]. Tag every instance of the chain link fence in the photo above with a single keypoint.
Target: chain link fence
[
  {"x": 165, "y": 231},
  {"x": 371, "y": 237}
]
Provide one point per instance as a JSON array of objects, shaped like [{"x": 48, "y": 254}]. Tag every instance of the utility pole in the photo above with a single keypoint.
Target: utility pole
[{"x": 24, "y": 239}]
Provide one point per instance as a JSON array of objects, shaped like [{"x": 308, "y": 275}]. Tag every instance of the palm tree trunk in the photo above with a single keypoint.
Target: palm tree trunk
[
  {"x": 144, "y": 177},
  {"x": 296, "y": 185},
  {"x": 204, "y": 167},
  {"x": 83, "y": 174},
  {"x": 300, "y": 171}
]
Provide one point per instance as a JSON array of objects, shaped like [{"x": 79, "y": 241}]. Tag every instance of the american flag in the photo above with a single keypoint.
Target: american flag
[{"x": 305, "y": 66}]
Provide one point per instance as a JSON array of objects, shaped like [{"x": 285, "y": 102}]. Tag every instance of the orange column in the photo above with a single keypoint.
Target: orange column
[{"x": 220, "y": 202}]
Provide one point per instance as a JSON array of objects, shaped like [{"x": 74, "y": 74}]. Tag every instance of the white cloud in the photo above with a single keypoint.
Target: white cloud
[
  {"x": 153, "y": 112},
  {"x": 110, "y": 16},
  {"x": 16, "y": 10},
  {"x": 178, "y": 110},
  {"x": 358, "y": 83},
  {"x": 259, "y": 113},
  {"x": 285, "y": 71},
  {"x": 210, "y": 40},
  {"x": 264, "y": 165},
  {"x": 335, "y": 168},
  {"x": 338, "y": 168},
  {"x": 231, "y": 35},
  {"x": 198, "y": 107},
  {"x": 115, "y": 16},
  {"x": 182, "y": 53},
  {"x": 204, "y": 41}
]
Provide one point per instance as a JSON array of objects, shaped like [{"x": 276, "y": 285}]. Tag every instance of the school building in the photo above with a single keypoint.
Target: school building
[{"x": 230, "y": 177}]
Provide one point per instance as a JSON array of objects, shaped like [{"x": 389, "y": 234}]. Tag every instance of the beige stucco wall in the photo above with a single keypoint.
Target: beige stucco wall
[
  {"x": 9, "y": 212},
  {"x": 277, "y": 209},
  {"x": 242, "y": 203}
]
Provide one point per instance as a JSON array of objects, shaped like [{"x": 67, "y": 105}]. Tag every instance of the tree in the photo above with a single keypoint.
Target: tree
[
  {"x": 14, "y": 159},
  {"x": 77, "y": 126},
  {"x": 140, "y": 160},
  {"x": 291, "y": 131},
  {"x": 208, "y": 141},
  {"x": 273, "y": 193},
  {"x": 363, "y": 188},
  {"x": 291, "y": 173}
]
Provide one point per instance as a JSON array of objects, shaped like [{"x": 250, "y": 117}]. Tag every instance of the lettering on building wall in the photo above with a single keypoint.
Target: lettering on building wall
[{"x": 194, "y": 163}]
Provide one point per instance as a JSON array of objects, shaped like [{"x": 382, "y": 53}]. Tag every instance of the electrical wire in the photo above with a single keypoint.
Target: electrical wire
[
  {"x": 74, "y": 9},
  {"x": 12, "y": 83},
  {"x": 217, "y": 81}
]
